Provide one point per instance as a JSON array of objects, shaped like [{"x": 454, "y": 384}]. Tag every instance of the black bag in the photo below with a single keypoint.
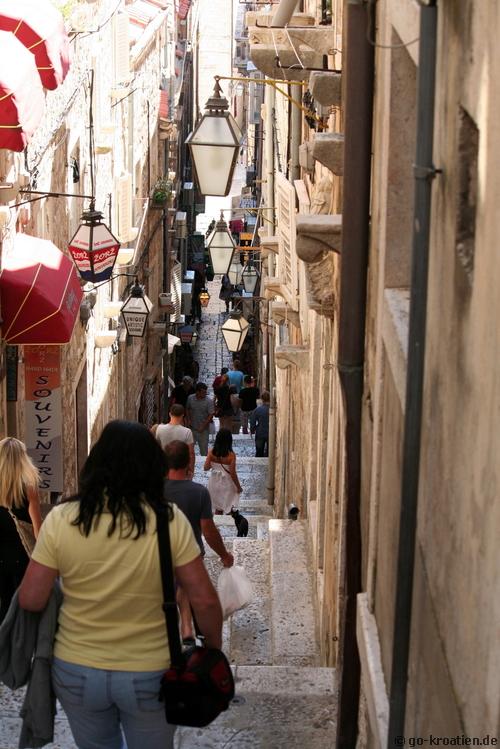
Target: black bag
[{"x": 199, "y": 683}]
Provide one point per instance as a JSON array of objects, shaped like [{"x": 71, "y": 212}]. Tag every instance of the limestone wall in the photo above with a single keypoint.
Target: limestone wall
[
  {"x": 98, "y": 383},
  {"x": 453, "y": 686}
]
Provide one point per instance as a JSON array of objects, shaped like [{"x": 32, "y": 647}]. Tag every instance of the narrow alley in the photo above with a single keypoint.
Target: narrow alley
[
  {"x": 284, "y": 699},
  {"x": 304, "y": 192}
]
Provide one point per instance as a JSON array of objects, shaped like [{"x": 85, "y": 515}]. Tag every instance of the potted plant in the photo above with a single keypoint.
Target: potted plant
[{"x": 161, "y": 192}]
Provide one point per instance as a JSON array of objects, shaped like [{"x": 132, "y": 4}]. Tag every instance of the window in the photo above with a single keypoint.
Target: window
[{"x": 468, "y": 146}]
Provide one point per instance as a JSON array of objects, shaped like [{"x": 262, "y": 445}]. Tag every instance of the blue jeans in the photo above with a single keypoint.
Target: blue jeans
[
  {"x": 201, "y": 439},
  {"x": 100, "y": 704}
]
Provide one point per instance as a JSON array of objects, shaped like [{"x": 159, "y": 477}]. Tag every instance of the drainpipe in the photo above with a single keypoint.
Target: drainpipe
[
  {"x": 270, "y": 99},
  {"x": 358, "y": 109},
  {"x": 295, "y": 133},
  {"x": 424, "y": 172},
  {"x": 283, "y": 13},
  {"x": 166, "y": 288}
]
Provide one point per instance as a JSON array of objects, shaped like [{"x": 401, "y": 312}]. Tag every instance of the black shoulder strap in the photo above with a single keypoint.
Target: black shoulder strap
[{"x": 167, "y": 581}]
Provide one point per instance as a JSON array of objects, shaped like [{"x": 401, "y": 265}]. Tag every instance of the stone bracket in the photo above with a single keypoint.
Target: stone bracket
[
  {"x": 326, "y": 87},
  {"x": 309, "y": 43},
  {"x": 317, "y": 234},
  {"x": 328, "y": 149},
  {"x": 273, "y": 287},
  {"x": 281, "y": 312},
  {"x": 289, "y": 355},
  {"x": 268, "y": 244}
]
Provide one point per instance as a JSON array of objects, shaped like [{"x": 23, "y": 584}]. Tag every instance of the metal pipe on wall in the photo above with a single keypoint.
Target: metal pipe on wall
[
  {"x": 358, "y": 66},
  {"x": 296, "y": 134},
  {"x": 424, "y": 172},
  {"x": 270, "y": 100},
  {"x": 283, "y": 13}
]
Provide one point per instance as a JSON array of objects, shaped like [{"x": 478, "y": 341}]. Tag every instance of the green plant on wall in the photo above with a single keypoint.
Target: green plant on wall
[
  {"x": 66, "y": 7},
  {"x": 161, "y": 191}
]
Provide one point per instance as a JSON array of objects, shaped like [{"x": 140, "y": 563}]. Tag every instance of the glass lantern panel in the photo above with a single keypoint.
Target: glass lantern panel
[
  {"x": 221, "y": 239},
  {"x": 234, "y": 272},
  {"x": 220, "y": 258},
  {"x": 217, "y": 130},
  {"x": 213, "y": 166}
]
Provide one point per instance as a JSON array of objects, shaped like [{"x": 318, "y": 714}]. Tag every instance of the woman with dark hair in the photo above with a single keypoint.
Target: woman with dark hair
[
  {"x": 111, "y": 646},
  {"x": 223, "y": 485}
]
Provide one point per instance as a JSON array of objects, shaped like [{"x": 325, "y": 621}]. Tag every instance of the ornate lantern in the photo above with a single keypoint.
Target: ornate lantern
[
  {"x": 135, "y": 311},
  {"x": 250, "y": 277},
  {"x": 186, "y": 333},
  {"x": 93, "y": 248},
  {"x": 221, "y": 247},
  {"x": 235, "y": 330},
  {"x": 204, "y": 297},
  {"x": 214, "y": 146}
]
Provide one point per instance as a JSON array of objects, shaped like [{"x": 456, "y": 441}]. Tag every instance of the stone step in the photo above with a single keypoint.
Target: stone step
[
  {"x": 274, "y": 708},
  {"x": 293, "y": 615},
  {"x": 257, "y": 525},
  {"x": 251, "y": 627}
]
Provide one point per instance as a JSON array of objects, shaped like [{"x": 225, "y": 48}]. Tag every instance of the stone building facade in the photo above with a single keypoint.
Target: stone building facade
[
  {"x": 124, "y": 55},
  {"x": 453, "y": 682}
]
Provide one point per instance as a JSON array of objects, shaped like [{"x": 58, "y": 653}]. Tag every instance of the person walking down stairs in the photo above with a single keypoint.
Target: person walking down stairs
[
  {"x": 194, "y": 501},
  {"x": 223, "y": 485}
]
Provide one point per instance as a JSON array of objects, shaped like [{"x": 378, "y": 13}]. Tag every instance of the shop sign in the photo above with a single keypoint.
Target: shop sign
[{"x": 42, "y": 371}]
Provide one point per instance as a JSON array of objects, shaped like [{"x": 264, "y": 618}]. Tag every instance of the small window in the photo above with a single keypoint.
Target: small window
[{"x": 468, "y": 147}]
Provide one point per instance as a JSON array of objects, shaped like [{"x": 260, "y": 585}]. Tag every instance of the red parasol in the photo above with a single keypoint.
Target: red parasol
[
  {"x": 21, "y": 94},
  {"x": 40, "y": 293},
  {"x": 40, "y": 27}
]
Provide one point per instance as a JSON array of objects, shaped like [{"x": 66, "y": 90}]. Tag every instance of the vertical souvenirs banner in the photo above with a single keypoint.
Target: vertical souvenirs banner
[{"x": 42, "y": 365}]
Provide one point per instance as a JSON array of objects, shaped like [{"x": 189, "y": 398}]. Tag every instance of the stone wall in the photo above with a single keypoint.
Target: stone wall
[
  {"x": 128, "y": 130},
  {"x": 453, "y": 683}
]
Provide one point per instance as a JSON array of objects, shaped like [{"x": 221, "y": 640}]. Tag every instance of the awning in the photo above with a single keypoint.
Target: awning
[
  {"x": 183, "y": 9},
  {"x": 40, "y": 293},
  {"x": 22, "y": 99},
  {"x": 39, "y": 26}
]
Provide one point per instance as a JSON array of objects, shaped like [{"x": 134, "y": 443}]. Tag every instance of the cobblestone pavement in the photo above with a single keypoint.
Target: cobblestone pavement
[{"x": 210, "y": 350}]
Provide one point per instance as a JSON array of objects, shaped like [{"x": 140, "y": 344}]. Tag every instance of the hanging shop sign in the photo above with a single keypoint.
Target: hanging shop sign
[{"x": 42, "y": 373}]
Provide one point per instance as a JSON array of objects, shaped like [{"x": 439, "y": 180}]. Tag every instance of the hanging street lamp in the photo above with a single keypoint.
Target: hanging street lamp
[
  {"x": 204, "y": 297},
  {"x": 235, "y": 330},
  {"x": 250, "y": 277},
  {"x": 135, "y": 311},
  {"x": 186, "y": 333},
  {"x": 93, "y": 248},
  {"x": 214, "y": 145},
  {"x": 221, "y": 247},
  {"x": 235, "y": 270}
]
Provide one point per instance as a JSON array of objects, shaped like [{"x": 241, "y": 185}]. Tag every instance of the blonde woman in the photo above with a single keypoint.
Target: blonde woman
[{"x": 18, "y": 494}]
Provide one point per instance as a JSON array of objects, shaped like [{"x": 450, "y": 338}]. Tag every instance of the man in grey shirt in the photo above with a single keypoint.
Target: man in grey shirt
[
  {"x": 200, "y": 412},
  {"x": 194, "y": 501},
  {"x": 175, "y": 430}
]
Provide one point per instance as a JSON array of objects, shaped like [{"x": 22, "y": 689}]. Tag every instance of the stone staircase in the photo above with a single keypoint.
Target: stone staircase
[{"x": 284, "y": 699}]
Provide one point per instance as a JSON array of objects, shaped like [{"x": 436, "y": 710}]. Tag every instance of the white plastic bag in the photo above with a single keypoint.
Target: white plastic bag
[{"x": 234, "y": 589}]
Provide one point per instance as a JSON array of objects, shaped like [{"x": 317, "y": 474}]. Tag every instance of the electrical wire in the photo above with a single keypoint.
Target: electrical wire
[{"x": 103, "y": 24}]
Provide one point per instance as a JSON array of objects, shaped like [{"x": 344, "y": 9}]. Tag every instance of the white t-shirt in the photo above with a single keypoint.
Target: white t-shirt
[{"x": 167, "y": 433}]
